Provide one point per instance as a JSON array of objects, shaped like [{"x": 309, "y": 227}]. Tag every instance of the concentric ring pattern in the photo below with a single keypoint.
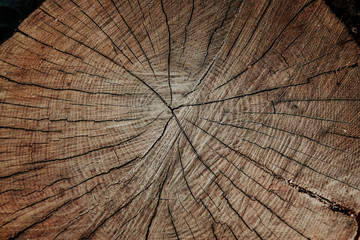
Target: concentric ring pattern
[{"x": 187, "y": 119}]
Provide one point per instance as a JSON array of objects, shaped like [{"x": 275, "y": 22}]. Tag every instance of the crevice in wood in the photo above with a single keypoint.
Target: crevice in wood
[
  {"x": 169, "y": 52},
  {"x": 332, "y": 205},
  {"x": 357, "y": 237},
  {"x": 161, "y": 187},
  {"x": 213, "y": 231},
  {"x": 172, "y": 222}
]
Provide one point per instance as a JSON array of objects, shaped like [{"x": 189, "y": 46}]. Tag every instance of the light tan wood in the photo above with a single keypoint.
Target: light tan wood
[{"x": 180, "y": 120}]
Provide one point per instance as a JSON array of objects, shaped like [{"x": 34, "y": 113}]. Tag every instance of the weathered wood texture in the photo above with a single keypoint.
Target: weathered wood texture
[{"x": 180, "y": 119}]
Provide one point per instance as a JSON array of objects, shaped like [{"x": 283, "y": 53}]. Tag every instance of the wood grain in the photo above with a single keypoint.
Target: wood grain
[{"x": 188, "y": 119}]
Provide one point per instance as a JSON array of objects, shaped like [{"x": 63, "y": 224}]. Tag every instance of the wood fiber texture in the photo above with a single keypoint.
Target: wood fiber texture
[{"x": 186, "y": 119}]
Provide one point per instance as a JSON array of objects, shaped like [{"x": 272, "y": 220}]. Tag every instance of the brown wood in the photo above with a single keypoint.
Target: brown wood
[{"x": 180, "y": 119}]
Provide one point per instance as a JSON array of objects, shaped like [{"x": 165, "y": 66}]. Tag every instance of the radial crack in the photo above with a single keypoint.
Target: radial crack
[{"x": 169, "y": 51}]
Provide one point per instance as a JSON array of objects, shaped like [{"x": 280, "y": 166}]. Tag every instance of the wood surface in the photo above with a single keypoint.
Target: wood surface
[{"x": 186, "y": 119}]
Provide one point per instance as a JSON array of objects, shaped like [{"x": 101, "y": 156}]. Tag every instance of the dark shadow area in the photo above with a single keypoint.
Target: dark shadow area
[
  {"x": 13, "y": 12},
  {"x": 349, "y": 13}
]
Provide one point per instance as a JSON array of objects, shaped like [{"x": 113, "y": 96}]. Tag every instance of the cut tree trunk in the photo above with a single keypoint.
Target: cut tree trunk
[{"x": 180, "y": 119}]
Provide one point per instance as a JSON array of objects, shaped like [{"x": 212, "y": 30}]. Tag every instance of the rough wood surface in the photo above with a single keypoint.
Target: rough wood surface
[{"x": 180, "y": 120}]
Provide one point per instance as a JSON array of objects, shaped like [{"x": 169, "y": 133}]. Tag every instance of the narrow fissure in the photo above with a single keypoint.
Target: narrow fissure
[
  {"x": 357, "y": 237},
  {"x": 336, "y": 207}
]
